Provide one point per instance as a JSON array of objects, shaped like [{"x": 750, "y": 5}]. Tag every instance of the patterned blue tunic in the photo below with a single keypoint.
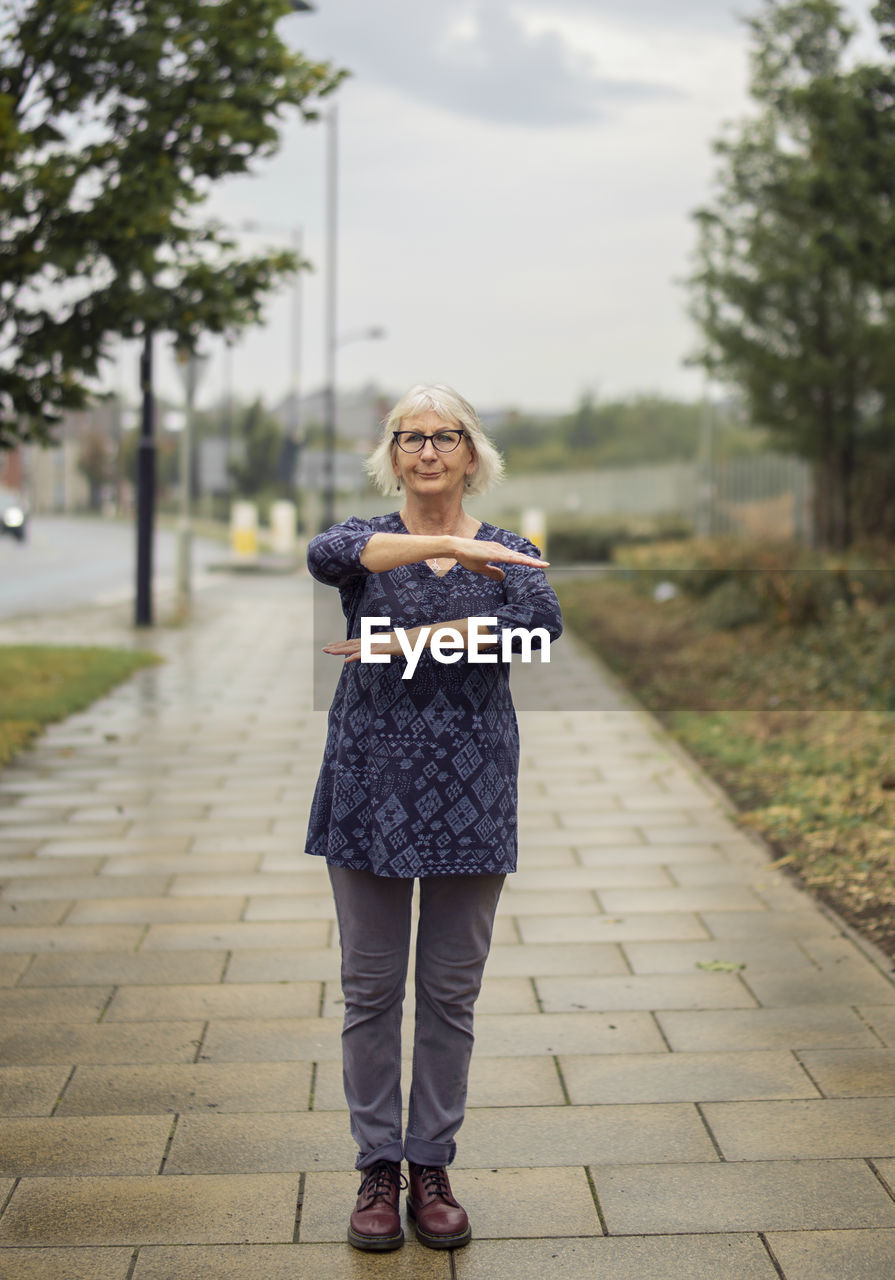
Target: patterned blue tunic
[{"x": 419, "y": 776}]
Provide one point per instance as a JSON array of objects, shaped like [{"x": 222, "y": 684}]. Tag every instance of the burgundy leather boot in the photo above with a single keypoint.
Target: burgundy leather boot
[
  {"x": 375, "y": 1224},
  {"x": 441, "y": 1223}
]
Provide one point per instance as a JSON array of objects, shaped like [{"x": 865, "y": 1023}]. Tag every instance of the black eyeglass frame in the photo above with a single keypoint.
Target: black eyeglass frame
[{"x": 460, "y": 432}]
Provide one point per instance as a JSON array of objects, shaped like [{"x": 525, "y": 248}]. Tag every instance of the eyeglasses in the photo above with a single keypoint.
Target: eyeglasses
[{"x": 415, "y": 441}]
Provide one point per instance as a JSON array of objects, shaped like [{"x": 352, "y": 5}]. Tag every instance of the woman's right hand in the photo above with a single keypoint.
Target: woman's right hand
[{"x": 477, "y": 557}]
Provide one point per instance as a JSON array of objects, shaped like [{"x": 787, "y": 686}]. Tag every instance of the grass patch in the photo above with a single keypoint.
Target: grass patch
[
  {"x": 797, "y": 724},
  {"x": 43, "y": 683}
]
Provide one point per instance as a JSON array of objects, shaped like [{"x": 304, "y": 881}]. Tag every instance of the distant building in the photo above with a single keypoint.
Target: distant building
[{"x": 359, "y": 413}]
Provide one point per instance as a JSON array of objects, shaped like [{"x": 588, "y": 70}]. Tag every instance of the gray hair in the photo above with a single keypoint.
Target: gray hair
[{"x": 451, "y": 406}]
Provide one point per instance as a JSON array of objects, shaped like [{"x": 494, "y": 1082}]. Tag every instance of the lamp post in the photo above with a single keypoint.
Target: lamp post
[
  {"x": 333, "y": 341},
  {"x": 296, "y": 236},
  {"x": 145, "y": 488},
  {"x": 190, "y": 367}
]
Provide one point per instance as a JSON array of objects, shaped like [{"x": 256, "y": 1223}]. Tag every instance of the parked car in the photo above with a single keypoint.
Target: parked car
[{"x": 13, "y": 514}]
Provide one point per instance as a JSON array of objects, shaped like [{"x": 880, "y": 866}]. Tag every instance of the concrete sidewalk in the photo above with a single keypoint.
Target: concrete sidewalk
[{"x": 684, "y": 1068}]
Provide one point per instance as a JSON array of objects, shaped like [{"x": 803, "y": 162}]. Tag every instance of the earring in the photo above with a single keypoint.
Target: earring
[{"x": 398, "y": 483}]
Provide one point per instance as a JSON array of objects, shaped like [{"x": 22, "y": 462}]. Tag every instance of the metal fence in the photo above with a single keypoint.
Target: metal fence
[{"x": 767, "y": 495}]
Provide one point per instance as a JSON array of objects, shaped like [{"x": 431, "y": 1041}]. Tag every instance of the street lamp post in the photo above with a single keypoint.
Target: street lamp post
[
  {"x": 296, "y": 236},
  {"x": 145, "y": 489},
  {"x": 328, "y": 515},
  {"x": 190, "y": 366},
  {"x": 333, "y": 342}
]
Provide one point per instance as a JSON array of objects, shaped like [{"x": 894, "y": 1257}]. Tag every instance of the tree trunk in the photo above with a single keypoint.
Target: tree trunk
[{"x": 832, "y": 499}]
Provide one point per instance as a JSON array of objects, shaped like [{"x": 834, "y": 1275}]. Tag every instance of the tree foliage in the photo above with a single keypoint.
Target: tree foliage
[
  {"x": 116, "y": 117},
  {"x": 794, "y": 287},
  {"x": 640, "y": 431}
]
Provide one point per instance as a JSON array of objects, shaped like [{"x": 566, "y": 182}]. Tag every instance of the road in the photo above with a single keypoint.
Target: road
[{"x": 68, "y": 562}]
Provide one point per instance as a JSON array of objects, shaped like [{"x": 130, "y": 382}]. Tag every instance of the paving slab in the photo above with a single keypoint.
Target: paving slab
[
  {"x": 671, "y": 1257},
  {"x": 847, "y": 1073},
  {"x": 724, "y": 897},
  {"x": 750, "y": 1196},
  {"x": 123, "y": 968},
  {"x": 852, "y": 984},
  {"x": 815, "y": 1129},
  {"x": 543, "y": 959},
  {"x": 26, "y": 940},
  {"x": 646, "y": 926},
  {"x": 52, "y": 1043},
  {"x": 639, "y": 991},
  {"x": 267, "y": 1143},
  {"x": 41, "y": 912},
  {"x": 236, "y": 936},
  {"x": 31, "y": 1091},
  {"x": 49, "y": 1004},
  {"x": 51, "y": 1146},
  {"x": 881, "y": 1019},
  {"x": 545, "y": 1137},
  {"x": 770, "y": 955},
  {"x": 201, "y": 1087},
  {"x": 75, "y": 887},
  {"x": 66, "y": 1264},
  {"x": 290, "y": 1262},
  {"x": 511, "y": 1035},
  {"x": 726, "y": 925},
  {"x": 276, "y": 1040},
  {"x": 232, "y": 1209},
  {"x": 301, "y": 964},
  {"x": 799, "y": 1027},
  {"x": 684, "y": 1077},
  {"x": 215, "y": 1000},
  {"x": 123, "y": 910},
  {"x": 833, "y": 1255}
]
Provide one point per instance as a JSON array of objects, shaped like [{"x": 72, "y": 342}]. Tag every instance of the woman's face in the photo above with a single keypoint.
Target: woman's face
[{"x": 432, "y": 473}]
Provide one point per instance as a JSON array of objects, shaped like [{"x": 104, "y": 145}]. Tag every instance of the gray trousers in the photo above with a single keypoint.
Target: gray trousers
[{"x": 456, "y": 918}]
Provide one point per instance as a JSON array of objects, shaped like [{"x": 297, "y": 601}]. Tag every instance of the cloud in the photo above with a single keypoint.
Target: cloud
[
  {"x": 707, "y": 16},
  {"x": 476, "y": 58}
]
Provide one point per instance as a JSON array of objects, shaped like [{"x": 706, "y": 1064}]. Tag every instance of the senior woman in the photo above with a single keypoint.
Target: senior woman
[{"x": 419, "y": 783}]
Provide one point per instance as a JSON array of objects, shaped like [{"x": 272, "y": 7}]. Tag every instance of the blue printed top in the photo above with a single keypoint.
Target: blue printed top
[{"x": 419, "y": 776}]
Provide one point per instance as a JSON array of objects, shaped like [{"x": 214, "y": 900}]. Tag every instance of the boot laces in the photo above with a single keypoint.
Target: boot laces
[
  {"x": 380, "y": 1182},
  {"x": 435, "y": 1181}
]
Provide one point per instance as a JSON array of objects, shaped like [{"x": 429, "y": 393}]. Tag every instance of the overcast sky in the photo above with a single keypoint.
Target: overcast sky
[{"x": 516, "y": 179}]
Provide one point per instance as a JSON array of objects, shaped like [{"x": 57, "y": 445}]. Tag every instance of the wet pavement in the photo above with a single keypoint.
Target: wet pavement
[{"x": 684, "y": 1067}]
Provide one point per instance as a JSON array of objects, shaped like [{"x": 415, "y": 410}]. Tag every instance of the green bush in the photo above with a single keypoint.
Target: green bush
[
  {"x": 745, "y": 581},
  {"x": 593, "y": 539}
]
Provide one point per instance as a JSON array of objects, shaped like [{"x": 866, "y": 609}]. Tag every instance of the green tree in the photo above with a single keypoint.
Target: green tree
[
  {"x": 95, "y": 465},
  {"x": 262, "y": 439},
  {"x": 116, "y": 118},
  {"x": 794, "y": 287}
]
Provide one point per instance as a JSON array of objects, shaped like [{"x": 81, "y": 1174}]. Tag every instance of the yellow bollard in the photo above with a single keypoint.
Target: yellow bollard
[
  {"x": 244, "y": 530},
  {"x": 534, "y": 527}
]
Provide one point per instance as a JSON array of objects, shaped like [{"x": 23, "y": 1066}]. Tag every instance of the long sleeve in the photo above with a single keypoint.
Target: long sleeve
[
  {"x": 530, "y": 600},
  {"x": 334, "y": 555}
]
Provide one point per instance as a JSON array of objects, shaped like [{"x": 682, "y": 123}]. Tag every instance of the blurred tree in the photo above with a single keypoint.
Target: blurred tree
[
  {"x": 794, "y": 288},
  {"x": 95, "y": 463},
  {"x": 116, "y": 117},
  {"x": 639, "y": 431},
  {"x": 262, "y": 437}
]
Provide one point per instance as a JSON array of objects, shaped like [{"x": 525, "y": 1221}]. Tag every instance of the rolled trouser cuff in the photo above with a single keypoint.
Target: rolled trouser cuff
[
  {"x": 431, "y": 1154},
  {"x": 391, "y": 1151}
]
